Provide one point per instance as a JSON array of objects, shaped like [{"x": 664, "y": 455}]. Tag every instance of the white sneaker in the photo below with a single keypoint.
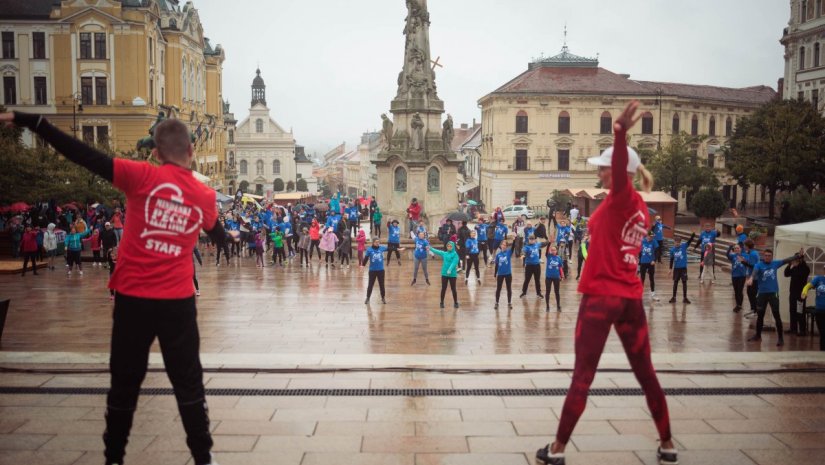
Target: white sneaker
[
  {"x": 197, "y": 292},
  {"x": 653, "y": 296},
  {"x": 81, "y": 272}
]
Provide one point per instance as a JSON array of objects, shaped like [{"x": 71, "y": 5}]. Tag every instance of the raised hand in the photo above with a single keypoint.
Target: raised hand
[{"x": 628, "y": 118}]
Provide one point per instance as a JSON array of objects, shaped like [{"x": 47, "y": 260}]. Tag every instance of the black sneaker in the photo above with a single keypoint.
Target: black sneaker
[
  {"x": 522, "y": 295},
  {"x": 558, "y": 309},
  {"x": 672, "y": 300},
  {"x": 686, "y": 300},
  {"x": 755, "y": 339},
  {"x": 509, "y": 305},
  {"x": 441, "y": 304},
  {"x": 383, "y": 301},
  {"x": 667, "y": 456},
  {"x": 544, "y": 455},
  {"x": 412, "y": 283},
  {"x": 547, "y": 309},
  {"x": 780, "y": 342},
  {"x": 540, "y": 295},
  {"x": 428, "y": 282},
  {"x": 455, "y": 305},
  {"x": 496, "y": 306},
  {"x": 737, "y": 309},
  {"x": 367, "y": 302}
]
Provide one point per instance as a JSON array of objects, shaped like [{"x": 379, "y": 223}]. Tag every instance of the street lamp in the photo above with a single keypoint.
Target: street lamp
[{"x": 77, "y": 106}]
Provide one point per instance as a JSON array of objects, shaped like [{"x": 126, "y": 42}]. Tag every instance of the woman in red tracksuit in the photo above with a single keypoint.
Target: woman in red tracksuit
[{"x": 612, "y": 293}]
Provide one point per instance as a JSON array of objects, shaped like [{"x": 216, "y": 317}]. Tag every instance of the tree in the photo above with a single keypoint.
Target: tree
[
  {"x": 278, "y": 185},
  {"x": 244, "y": 186},
  {"x": 708, "y": 203},
  {"x": 779, "y": 146},
  {"x": 290, "y": 186},
  {"x": 302, "y": 185},
  {"x": 675, "y": 167},
  {"x": 804, "y": 206}
]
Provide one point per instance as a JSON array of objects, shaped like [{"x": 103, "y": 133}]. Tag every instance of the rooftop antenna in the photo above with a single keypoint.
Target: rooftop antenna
[{"x": 564, "y": 48}]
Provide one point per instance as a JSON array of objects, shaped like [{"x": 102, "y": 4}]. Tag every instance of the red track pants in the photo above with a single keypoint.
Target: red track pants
[{"x": 596, "y": 315}]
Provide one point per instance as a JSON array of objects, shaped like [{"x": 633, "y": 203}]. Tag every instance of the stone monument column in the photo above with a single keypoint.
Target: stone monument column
[{"x": 416, "y": 161}]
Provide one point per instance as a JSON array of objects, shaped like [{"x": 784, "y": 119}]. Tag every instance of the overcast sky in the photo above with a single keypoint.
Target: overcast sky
[{"x": 330, "y": 66}]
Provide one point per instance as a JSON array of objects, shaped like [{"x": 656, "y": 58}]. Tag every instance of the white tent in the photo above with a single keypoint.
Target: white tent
[{"x": 788, "y": 239}]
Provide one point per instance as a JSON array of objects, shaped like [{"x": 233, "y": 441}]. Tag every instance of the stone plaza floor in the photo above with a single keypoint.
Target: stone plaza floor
[{"x": 300, "y": 371}]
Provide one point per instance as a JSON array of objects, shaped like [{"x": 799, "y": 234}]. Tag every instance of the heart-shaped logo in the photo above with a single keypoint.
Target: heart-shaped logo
[{"x": 167, "y": 214}]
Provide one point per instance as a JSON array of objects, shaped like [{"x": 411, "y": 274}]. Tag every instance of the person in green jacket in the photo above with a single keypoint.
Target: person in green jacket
[
  {"x": 449, "y": 271},
  {"x": 277, "y": 246},
  {"x": 376, "y": 221}
]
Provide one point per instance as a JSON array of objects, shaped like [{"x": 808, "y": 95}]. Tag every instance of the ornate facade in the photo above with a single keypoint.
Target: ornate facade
[
  {"x": 104, "y": 69},
  {"x": 804, "y": 40},
  {"x": 265, "y": 153},
  {"x": 539, "y": 129}
]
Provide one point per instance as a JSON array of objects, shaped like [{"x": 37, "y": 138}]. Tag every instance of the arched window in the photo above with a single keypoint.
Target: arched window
[
  {"x": 183, "y": 78},
  {"x": 192, "y": 81},
  {"x": 198, "y": 92},
  {"x": 675, "y": 124},
  {"x": 400, "y": 184},
  {"x": 801, "y": 58},
  {"x": 521, "y": 122},
  {"x": 276, "y": 167},
  {"x": 243, "y": 167},
  {"x": 259, "y": 167},
  {"x": 231, "y": 159},
  {"x": 606, "y": 124},
  {"x": 259, "y": 125},
  {"x": 647, "y": 123},
  {"x": 803, "y": 11},
  {"x": 694, "y": 126},
  {"x": 816, "y": 55},
  {"x": 564, "y": 123},
  {"x": 433, "y": 179},
  {"x": 728, "y": 127},
  {"x": 712, "y": 126}
]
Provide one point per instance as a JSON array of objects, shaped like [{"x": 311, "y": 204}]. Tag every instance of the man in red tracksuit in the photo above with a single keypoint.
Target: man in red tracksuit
[
  {"x": 28, "y": 246},
  {"x": 413, "y": 214},
  {"x": 154, "y": 297}
]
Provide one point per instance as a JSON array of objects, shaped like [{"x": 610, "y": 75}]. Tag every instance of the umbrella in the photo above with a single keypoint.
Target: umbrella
[
  {"x": 472, "y": 202},
  {"x": 19, "y": 207},
  {"x": 70, "y": 206},
  {"x": 651, "y": 211},
  {"x": 457, "y": 216}
]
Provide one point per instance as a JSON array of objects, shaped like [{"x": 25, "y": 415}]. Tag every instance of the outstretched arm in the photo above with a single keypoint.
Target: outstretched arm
[
  {"x": 88, "y": 157},
  {"x": 619, "y": 162}
]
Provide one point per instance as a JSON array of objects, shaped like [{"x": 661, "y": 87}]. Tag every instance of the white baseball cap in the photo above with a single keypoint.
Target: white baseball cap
[{"x": 605, "y": 159}]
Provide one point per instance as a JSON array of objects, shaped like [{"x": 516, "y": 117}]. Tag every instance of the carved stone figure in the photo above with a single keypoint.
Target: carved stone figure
[
  {"x": 447, "y": 133},
  {"x": 386, "y": 129},
  {"x": 417, "y": 130}
]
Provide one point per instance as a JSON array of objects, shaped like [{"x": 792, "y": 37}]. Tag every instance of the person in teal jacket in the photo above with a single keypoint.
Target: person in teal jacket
[
  {"x": 73, "y": 248},
  {"x": 449, "y": 271}
]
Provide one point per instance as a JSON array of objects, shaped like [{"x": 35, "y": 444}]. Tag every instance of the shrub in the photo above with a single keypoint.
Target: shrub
[{"x": 708, "y": 203}]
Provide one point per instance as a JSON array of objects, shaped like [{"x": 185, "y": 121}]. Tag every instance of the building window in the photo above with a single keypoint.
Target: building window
[
  {"x": 88, "y": 134},
  {"x": 9, "y": 90},
  {"x": 8, "y": 44},
  {"x": 100, "y": 91},
  {"x": 38, "y": 45},
  {"x": 400, "y": 179},
  {"x": 521, "y": 197},
  {"x": 151, "y": 91},
  {"x": 85, "y": 45},
  {"x": 816, "y": 55},
  {"x": 800, "y": 95},
  {"x": 801, "y": 58},
  {"x": 40, "y": 90},
  {"x": 675, "y": 125},
  {"x": 818, "y": 11},
  {"x": 712, "y": 126},
  {"x": 183, "y": 78},
  {"x": 86, "y": 96},
  {"x": 564, "y": 123},
  {"x": 606, "y": 124},
  {"x": 728, "y": 127},
  {"x": 815, "y": 99},
  {"x": 243, "y": 167},
  {"x": 647, "y": 123},
  {"x": 711, "y": 160},
  {"x": 694, "y": 126},
  {"x": 231, "y": 160},
  {"x": 521, "y": 122},
  {"x": 100, "y": 46},
  {"x": 231, "y": 136},
  {"x": 151, "y": 51},
  {"x": 162, "y": 61},
  {"x": 103, "y": 135},
  {"x": 433, "y": 180},
  {"x": 259, "y": 125},
  {"x": 803, "y": 13},
  {"x": 276, "y": 167},
  {"x": 564, "y": 160},
  {"x": 259, "y": 167},
  {"x": 521, "y": 160}
]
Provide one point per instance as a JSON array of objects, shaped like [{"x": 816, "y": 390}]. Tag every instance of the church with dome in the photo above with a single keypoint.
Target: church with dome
[{"x": 266, "y": 156}]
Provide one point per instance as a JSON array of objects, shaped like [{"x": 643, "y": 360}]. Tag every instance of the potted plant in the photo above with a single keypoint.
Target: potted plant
[
  {"x": 759, "y": 235},
  {"x": 708, "y": 204}
]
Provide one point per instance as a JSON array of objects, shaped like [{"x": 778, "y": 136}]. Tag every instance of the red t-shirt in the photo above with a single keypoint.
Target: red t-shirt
[
  {"x": 167, "y": 209},
  {"x": 617, "y": 228}
]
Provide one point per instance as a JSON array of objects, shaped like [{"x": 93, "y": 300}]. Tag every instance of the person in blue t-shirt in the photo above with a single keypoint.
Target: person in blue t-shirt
[
  {"x": 818, "y": 285},
  {"x": 678, "y": 266},
  {"x": 738, "y": 274},
  {"x": 499, "y": 233},
  {"x": 750, "y": 289},
  {"x": 354, "y": 218},
  {"x": 422, "y": 248},
  {"x": 707, "y": 236},
  {"x": 503, "y": 272},
  {"x": 375, "y": 257},
  {"x": 393, "y": 240},
  {"x": 532, "y": 265},
  {"x": 483, "y": 242},
  {"x": 553, "y": 274},
  {"x": 472, "y": 249},
  {"x": 764, "y": 275},
  {"x": 647, "y": 262},
  {"x": 659, "y": 235}
]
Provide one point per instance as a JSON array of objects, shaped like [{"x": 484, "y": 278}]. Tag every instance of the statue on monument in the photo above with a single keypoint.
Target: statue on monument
[
  {"x": 417, "y": 126},
  {"x": 447, "y": 133},
  {"x": 386, "y": 129}
]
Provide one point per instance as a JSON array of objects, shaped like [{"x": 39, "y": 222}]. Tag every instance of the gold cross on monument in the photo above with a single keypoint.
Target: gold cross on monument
[{"x": 436, "y": 63}]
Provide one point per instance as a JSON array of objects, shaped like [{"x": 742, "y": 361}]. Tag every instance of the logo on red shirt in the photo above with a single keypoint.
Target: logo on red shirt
[
  {"x": 633, "y": 233},
  {"x": 166, "y": 214}
]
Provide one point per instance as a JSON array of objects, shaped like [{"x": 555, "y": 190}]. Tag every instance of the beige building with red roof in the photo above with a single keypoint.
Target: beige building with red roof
[{"x": 539, "y": 129}]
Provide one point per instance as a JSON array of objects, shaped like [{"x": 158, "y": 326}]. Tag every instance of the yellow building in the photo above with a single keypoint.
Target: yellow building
[
  {"x": 539, "y": 129},
  {"x": 105, "y": 69}
]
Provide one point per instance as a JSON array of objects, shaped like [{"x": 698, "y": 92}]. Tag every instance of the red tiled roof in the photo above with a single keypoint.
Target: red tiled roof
[
  {"x": 460, "y": 136},
  {"x": 560, "y": 80},
  {"x": 754, "y": 94}
]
